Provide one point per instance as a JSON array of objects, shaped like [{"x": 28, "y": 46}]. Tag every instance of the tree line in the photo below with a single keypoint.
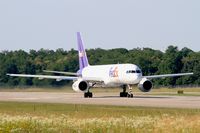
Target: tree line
[{"x": 149, "y": 60}]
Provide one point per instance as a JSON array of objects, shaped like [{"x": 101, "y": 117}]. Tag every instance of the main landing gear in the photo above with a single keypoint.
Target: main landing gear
[
  {"x": 88, "y": 94},
  {"x": 128, "y": 94}
]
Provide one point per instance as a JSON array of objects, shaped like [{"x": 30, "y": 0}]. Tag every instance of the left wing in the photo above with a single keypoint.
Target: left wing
[{"x": 167, "y": 75}]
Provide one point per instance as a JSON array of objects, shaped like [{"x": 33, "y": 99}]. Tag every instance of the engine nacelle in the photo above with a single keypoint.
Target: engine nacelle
[
  {"x": 80, "y": 86},
  {"x": 145, "y": 85}
]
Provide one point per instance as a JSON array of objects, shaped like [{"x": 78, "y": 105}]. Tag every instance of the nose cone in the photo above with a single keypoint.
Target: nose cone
[
  {"x": 138, "y": 75},
  {"x": 135, "y": 78}
]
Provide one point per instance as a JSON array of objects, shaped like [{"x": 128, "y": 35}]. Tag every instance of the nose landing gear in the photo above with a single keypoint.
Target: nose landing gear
[{"x": 130, "y": 94}]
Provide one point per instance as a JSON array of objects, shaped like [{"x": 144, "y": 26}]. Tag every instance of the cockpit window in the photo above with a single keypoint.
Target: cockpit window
[
  {"x": 133, "y": 71},
  {"x": 138, "y": 71}
]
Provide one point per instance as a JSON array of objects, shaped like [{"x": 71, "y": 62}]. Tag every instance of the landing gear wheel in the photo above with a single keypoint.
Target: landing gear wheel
[
  {"x": 123, "y": 94},
  {"x": 130, "y": 95},
  {"x": 88, "y": 95}
]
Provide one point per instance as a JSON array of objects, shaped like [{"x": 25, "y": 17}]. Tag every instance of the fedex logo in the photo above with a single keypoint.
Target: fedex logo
[{"x": 113, "y": 72}]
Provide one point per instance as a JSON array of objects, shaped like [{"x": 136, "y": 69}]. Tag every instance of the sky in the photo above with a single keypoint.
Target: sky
[{"x": 107, "y": 24}]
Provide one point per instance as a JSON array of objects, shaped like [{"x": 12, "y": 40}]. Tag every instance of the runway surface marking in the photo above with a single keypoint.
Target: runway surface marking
[{"x": 103, "y": 99}]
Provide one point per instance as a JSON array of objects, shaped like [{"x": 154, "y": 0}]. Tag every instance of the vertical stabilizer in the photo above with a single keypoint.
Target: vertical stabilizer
[{"x": 83, "y": 61}]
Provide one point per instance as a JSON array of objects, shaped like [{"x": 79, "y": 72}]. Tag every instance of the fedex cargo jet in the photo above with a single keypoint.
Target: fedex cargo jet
[{"x": 113, "y": 75}]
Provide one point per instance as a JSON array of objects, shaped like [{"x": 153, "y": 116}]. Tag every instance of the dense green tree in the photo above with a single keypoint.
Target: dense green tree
[
  {"x": 171, "y": 63},
  {"x": 191, "y": 64},
  {"x": 149, "y": 60}
]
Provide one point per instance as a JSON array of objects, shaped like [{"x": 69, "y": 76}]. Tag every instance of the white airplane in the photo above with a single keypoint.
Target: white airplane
[{"x": 113, "y": 75}]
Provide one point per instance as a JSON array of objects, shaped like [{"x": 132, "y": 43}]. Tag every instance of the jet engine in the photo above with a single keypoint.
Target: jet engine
[
  {"x": 80, "y": 86},
  {"x": 145, "y": 85}
]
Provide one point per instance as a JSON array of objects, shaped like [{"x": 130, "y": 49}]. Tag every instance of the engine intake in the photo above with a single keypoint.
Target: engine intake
[
  {"x": 80, "y": 86},
  {"x": 145, "y": 85}
]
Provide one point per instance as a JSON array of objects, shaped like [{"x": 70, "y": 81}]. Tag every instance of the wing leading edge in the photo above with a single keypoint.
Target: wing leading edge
[{"x": 167, "y": 75}]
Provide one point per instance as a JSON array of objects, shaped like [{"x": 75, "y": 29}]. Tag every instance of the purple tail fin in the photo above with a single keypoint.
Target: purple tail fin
[{"x": 83, "y": 61}]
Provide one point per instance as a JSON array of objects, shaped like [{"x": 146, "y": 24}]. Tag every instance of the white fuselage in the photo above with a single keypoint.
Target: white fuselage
[{"x": 114, "y": 74}]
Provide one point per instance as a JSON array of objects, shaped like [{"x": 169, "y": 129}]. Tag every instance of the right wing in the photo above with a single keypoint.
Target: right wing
[
  {"x": 58, "y": 78},
  {"x": 60, "y": 72}
]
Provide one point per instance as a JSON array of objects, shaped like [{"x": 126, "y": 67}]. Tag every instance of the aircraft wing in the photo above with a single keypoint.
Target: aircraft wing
[
  {"x": 58, "y": 78},
  {"x": 60, "y": 72},
  {"x": 167, "y": 75}
]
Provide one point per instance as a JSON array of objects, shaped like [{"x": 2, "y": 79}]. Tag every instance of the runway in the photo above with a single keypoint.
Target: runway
[{"x": 103, "y": 99}]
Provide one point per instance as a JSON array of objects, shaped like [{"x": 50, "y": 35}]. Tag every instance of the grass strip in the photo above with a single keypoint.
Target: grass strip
[{"x": 45, "y": 117}]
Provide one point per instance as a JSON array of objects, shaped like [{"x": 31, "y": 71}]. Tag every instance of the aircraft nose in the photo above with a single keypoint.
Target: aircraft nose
[
  {"x": 139, "y": 76},
  {"x": 135, "y": 78}
]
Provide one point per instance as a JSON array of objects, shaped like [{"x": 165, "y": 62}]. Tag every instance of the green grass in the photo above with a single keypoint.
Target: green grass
[
  {"x": 187, "y": 89},
  {"x": 174, "y": 94},
  {"x": 174, "y": 91},
  {"x": 43, "y": 117},
  {"x": 37, "y": 89}
]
